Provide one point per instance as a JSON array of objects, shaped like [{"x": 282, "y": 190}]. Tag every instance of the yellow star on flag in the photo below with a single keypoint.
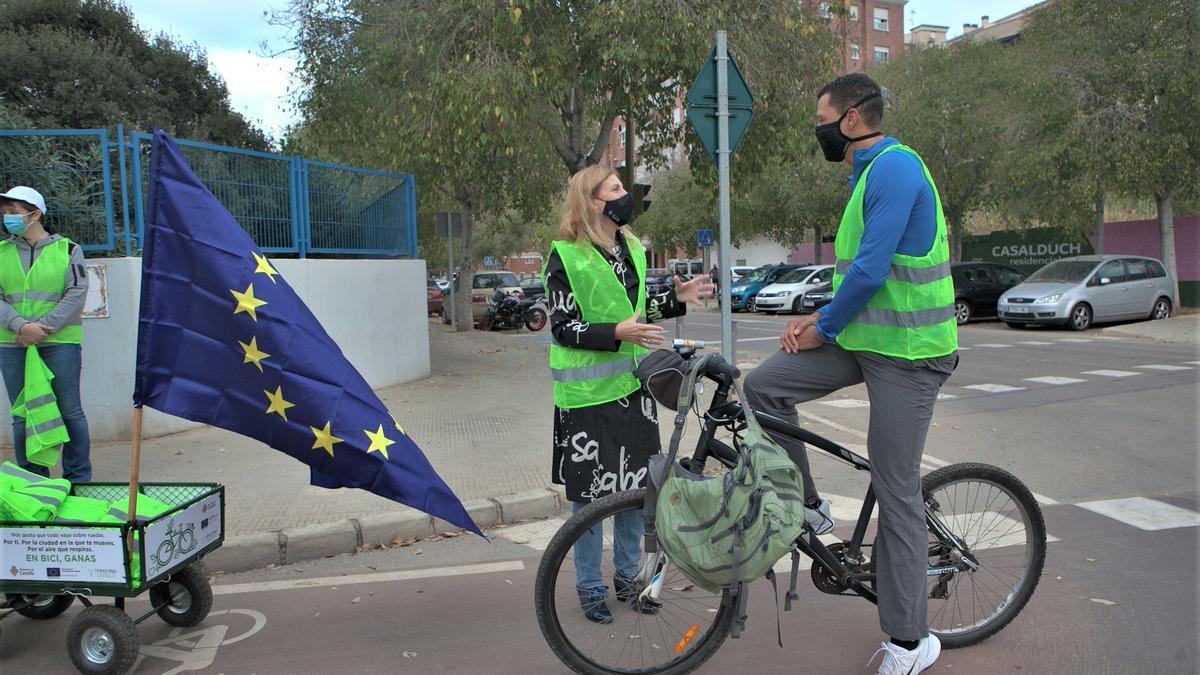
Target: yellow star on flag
[
  {"x": 253, "y": 355},
  {"x": 264, "y": 266},
  {"x": 247, "y": 302},
  {"x": 278, "y": 405},
  {"x": 325, "y": 439},
  {"x": 398, "y": 427},
  {"x": 379, "y": 442}
]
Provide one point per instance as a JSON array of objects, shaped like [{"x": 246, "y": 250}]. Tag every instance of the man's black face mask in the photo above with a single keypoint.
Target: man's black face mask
[{"x": 833, "y": 142}]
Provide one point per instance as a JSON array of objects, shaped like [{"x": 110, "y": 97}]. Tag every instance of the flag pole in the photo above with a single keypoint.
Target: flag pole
[{"x": 134, "y": 465}]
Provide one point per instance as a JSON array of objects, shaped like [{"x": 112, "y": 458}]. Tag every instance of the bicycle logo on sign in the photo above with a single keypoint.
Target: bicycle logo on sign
[{"x": 179, "y": 542}]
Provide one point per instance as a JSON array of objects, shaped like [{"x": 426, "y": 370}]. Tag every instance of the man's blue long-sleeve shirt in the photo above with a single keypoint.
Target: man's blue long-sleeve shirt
[{"x": 900, "y": 215}]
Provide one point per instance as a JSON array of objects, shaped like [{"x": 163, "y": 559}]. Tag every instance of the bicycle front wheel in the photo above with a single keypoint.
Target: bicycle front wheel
[
  {"x": 999, "y": 522},
  {"x": 677, "y": 633}
]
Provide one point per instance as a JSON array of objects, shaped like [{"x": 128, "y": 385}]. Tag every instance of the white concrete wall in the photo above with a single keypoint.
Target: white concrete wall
[
  {"x": 374, "y": 309},
  {"x": 759, "y": 252}
]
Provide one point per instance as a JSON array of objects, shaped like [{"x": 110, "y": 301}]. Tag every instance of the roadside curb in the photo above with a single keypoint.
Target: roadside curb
[{"x": 246, "y": 552}]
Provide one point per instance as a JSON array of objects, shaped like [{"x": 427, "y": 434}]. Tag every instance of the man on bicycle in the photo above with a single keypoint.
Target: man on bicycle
[{"x": 891, "y": 325}]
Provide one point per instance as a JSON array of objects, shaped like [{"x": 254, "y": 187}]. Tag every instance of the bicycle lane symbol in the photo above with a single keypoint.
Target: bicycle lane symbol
[{"x": 197, "y": 648}]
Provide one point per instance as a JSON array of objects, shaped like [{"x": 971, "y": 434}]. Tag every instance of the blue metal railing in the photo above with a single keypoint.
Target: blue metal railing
[
  {"x": 287, "y": 204},
  {"x": 72, "y": 168}
]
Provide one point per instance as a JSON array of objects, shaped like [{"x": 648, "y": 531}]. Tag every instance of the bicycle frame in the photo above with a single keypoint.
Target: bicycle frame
[{"x": 724, "y": 413}]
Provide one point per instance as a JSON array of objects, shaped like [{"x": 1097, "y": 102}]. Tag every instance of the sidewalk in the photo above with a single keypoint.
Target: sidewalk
[{"x": 1181, "y": 329}]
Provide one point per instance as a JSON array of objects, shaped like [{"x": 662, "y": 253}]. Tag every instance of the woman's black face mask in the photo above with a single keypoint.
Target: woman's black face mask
[
  {"x": 833, "y": 142},
  {"x": 620, "y": 210}
]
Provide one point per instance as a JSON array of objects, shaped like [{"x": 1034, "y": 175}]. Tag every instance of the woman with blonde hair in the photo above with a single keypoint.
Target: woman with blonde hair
[{"x": 605, "y": 426}]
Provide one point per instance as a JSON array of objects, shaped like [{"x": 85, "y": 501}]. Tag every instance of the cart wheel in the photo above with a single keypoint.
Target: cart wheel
[
  {"x": 187, "y": 596},
  {"x": 41, "y": 606},
  {"x": 103, "y": 641}
]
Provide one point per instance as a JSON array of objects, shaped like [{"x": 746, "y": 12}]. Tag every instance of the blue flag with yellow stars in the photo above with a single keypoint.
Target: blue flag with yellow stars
[{"x": 224, "y": 340}]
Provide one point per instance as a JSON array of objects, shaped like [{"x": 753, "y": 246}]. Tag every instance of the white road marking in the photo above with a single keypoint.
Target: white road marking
[
  {"x": 1049, "y": 379},
  {"x": 1159, "y": 366},
  {"x": 1110, "y": 373},
  {"x": 993, "y": 388},
  {"x": 964, "y": 349},
  {"x": 993, "y": 345},
  {"x": 535, "y": 534},
  {"x": 399, "y": 575},
  {"x": 1194, "y": 363},
  {"x": 1074, "y": 339},
  {"x": 1036, "y": 343},
  {"x": 833, "y": 425},
  {"x": 846, "y": 403},
  {"x": 1144, "y": 514},
  {"x": 943, "y": 397}
]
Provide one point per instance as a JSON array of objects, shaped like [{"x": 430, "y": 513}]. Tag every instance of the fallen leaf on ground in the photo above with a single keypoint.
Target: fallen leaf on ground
[
  {"x": 682, "y": 588},
  {"x": 409, "y": 655},
  {"x": 418, "y": 551},
  {"x": 355, "y": 601}
]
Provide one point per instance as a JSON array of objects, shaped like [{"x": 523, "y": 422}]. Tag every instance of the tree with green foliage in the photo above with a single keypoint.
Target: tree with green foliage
[
  {"x": 947, "y": 104},
  {"x": 681, "y": 206},
  {"x": 1131, "y": 77},
  {"x": 415, "y": 87},
  {"x": 794, "y": 201},
  {"x": 83, "y": 64},
  {"x": 483, "y": 105}
]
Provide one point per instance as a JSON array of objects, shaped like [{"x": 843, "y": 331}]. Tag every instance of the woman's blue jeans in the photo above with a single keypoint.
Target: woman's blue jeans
[
  {"x": 66, "y": 362},
  {"x": 628, "y": 528}
]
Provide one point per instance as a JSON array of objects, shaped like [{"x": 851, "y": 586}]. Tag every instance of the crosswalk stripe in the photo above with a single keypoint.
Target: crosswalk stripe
[
  {"x": 993, "y": 388},
  {"x": 1160, "y": 366},
  {"x": 1049, "y": 379},
  {"x": 1074, "y": 339},
  {"x": 1110, "y": 373},
  {"x": 1037, "y": 343},
  {"x": 943, "y": 397},
  {"x": 846, "y": 403},
  {"x": 1143, "y": 513},
  {"x": 964, "y": 349},
  {"x": 993, "y": 345},
  {"x": 1194, "y": 363}
]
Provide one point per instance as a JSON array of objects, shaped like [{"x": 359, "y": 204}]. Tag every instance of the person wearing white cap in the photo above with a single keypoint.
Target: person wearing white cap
[{"x": 43, "y": 285}]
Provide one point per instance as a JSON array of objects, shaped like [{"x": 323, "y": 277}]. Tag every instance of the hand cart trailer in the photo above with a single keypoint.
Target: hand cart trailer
[{"x": 46, "y": 566}]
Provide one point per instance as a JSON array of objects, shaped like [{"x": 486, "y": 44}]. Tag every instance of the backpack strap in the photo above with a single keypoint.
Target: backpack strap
[
  {"x": 791, "y": 594},
  {"x": 658, "y": 469}
]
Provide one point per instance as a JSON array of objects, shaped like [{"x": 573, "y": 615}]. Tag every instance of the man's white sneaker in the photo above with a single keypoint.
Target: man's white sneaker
[
  {"x": 819, "y": 519},
  {"x": 900, "y": 661}
]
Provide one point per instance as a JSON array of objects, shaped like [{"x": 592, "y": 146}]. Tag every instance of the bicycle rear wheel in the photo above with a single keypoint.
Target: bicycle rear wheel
[
  {"x": 686, "y": 631},
  {"x": 996, "y": 517}
]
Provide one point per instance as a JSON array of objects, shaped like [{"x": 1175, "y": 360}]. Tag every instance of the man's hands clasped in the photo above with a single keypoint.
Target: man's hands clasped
[{"x": 801, "y": 334}]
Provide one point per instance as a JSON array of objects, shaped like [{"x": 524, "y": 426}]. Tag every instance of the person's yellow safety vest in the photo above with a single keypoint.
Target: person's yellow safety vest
[
  {"x": 586, "y": 377},
  {"x": 36, "y": 293},
  {"x": 45, "y": 430},
  {"x": 912, "y": 315}
]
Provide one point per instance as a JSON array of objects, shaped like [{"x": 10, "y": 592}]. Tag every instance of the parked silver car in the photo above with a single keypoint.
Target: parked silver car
[{"x": 1079, "y": 291}]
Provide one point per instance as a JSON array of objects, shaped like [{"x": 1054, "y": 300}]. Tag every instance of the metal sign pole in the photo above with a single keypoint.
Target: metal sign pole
[
  {"x": 723, "y": 171},
  {"x": 450, "y": 270}
]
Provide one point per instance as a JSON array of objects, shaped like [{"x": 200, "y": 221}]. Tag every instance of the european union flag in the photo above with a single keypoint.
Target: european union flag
[{"x": 224, "y": 340}]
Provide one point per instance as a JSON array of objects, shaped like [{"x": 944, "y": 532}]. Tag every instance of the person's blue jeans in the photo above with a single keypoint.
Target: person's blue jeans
[
  {"x": 628, "y": 528},
  {"x": 66, "y": 362}
]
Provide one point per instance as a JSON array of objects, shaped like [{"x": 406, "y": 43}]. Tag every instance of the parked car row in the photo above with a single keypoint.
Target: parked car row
[{"x": 1072, "y": 292}]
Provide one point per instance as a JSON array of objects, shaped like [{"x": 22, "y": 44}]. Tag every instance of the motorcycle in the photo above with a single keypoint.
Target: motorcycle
[{"x": 506, "y": 311}]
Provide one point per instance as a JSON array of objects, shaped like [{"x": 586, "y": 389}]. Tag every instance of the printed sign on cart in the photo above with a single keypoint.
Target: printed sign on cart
[
  {"x": 172, "y": 540},
  {"x": 62, "y": 554}
]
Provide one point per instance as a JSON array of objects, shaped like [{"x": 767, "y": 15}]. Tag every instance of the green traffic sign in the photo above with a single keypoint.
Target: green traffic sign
[{"x": 702, "y": 105}]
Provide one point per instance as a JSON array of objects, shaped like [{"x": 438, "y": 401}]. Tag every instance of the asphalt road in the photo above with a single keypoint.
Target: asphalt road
[{"x": 1103, "y": 430}]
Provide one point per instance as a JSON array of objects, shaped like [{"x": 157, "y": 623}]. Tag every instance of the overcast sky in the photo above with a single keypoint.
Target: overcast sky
[{"x": 233, "y": 33}]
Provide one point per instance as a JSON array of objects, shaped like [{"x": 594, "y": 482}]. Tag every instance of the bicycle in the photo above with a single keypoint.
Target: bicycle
[{"x": 987, "y": 546}]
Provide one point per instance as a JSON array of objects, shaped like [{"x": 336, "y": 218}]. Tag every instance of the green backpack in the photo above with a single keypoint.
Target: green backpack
[{"x": 723, "y": 531}]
